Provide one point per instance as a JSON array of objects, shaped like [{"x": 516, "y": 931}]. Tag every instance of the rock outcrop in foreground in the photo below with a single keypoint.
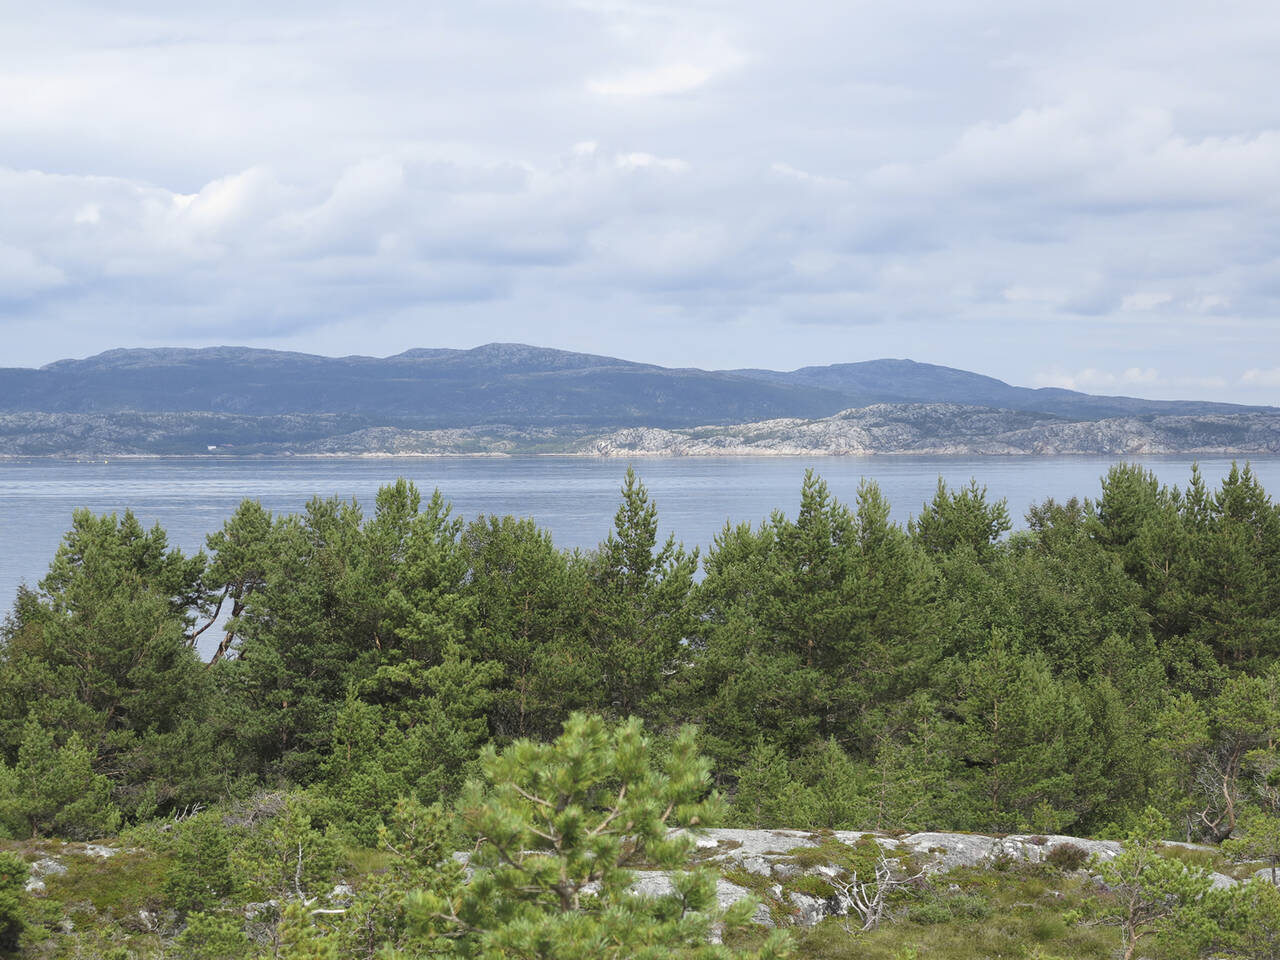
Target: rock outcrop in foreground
[
  {"x": 771, "y": 861},
  {"x": 799, "y": 877}
]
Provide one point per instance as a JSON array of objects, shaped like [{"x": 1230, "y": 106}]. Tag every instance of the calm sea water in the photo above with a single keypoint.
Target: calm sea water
[{"x": 573, "y": 497}]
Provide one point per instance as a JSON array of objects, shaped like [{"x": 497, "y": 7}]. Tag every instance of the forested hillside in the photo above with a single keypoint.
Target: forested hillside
[{"x": 1113, "y": 670}]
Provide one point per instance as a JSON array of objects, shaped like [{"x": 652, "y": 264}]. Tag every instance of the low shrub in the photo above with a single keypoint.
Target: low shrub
[
  {"x": 957, "y": 907},
  {"x": 969, "y": 906},
  {"x": 1067, "y": 857},
  {"x": 929, "y": 912},
  {"x": 811, "y": 885}
]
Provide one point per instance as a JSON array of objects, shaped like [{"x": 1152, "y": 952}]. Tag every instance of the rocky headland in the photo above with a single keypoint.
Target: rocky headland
[
  {"x": 943, "y": 429},
  {"x": 932, "y": 429},
  {"x": 515, "y": 399}
]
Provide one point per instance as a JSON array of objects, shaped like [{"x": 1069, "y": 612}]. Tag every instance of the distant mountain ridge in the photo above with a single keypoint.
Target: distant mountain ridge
[
  {"x": 507, "y": 398},
  {"x": 908, "y": 381},
  {"x": 496, "y": 383},
  {"x": 520, "y": 385}
]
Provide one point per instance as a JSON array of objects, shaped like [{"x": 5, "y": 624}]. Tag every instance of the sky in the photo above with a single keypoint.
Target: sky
[{"x": 1081, "y": 194}]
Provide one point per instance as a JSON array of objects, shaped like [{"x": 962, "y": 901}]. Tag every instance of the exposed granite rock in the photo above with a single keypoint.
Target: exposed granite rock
[
  {"x": 941, "y": 852},
  {"x": 770, "y": 854},
  {"x": 764, "y": 852},
  {"x": 940, "y": 429},
  {"x": 39, "y": 870},
  {"x": 884, "y": 428},
  {"x": 100, "y": 851},
  {"x": 657, "y": 883},
  {"x": 810, "y": 910}
]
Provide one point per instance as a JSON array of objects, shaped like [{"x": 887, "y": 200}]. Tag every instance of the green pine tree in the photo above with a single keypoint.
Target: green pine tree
[
  {"x": 559, "y": 825},
  {"x": 53, "y": 789},
  {"x": 640, "y": 609}
]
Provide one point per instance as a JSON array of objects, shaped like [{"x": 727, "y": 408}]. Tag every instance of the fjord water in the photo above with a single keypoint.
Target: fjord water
[{"x": 573, "y": 497}]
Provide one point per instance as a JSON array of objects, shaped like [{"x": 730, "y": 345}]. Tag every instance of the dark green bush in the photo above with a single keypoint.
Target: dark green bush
[
  {"x": 209, "y": 937},
  {"x": 201, "y": 874},
  {"x": 929, "y": 912},
  {"x": 969, "y": 906},
  {"x": 1067, "y": 857},
  {"x": 13, "y": 878}
]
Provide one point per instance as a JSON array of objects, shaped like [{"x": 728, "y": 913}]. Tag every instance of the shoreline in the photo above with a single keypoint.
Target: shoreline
[{"x": 734, "y": 453}]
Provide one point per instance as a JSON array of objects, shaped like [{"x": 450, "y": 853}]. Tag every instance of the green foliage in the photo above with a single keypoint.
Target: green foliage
[
  {"x": 834, "y": 788},
  {"x": 860, "y": 857},
  {"x": 292, "y": 856},
  {"x": 301, "y": 939},
  {"x": 1214, "y": 744},
  {"x": 374, "y": 760},
  {"x": 1027, "y": 740},
  {"x": 1067, "y": 856},
  {"x": 845, "y": 673},
  {"x": 947, "y": 909},
  {"x": 420, "y": 841},
  {"x": 1246, "y": 921},
  {"x": 766, "y": 795},
  {"x": 961, "y": 519},
  {"x": 241, "y": 559},
  {"x": 814, "y": 628},
  {"x": 13, "y": 876},
  {"x": 811, "y": 885},
  {"x": 639, "y": 607},
  {"x": 1151, "y": 894},
  {"x": 53, "y": 789},
  {"x": 559, "y": 826},
  {"x": 104, "y": 651},
  {"x": 212, "y": 937},
  {"x": 912, "y": 780},
  {"x": 1258, "y": 840},
  {"x": 530, "y": 619},
  {"x": 200, "y": 877}
]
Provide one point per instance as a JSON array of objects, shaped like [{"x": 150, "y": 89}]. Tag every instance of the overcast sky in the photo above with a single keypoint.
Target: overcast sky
[{"x": 1073, "y": 193}]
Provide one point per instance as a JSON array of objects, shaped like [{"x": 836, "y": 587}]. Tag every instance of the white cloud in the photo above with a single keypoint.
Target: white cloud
[
  {"x": 685, "y": 56},
  {"x": 1148, "y": 300},
  {"x": 1144, "y": 381},
  {"x": 664, "y": 80},
  {"x": 1092, "y": 152},
  {"x": 1086, "y": 379},
  {"x": 1023, "y": 294},
  {"x": 978, "y": 185},
  {"x": 1261, "y": 378},
  {"x": 804, "y": 176},
  {"x": 640, "y": 160},
  {"x": 22, "y": 274},
  {"x": 1091, "y": 379},
  {"x": 1210, "y": 303},
  {"x": 228, "y": 201}
]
